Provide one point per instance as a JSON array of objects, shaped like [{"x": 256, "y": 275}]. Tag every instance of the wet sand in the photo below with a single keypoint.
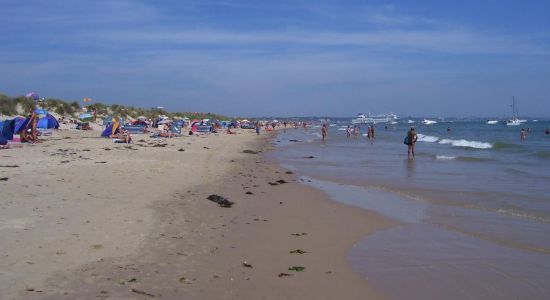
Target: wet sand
[{"x": 84, "y": 218}]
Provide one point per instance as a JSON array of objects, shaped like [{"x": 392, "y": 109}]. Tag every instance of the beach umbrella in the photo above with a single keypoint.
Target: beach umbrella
[
  {"x": 40, "y": 112},
  {"x": 85, "y": 117},
  {"x": 164, "y": 122},
  {"x": 143, "y": 118},
  {"x": 32, "y": 95}
]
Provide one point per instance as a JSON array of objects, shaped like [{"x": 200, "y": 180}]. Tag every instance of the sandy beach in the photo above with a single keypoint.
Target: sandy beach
[{"x": 84, "y": 218}]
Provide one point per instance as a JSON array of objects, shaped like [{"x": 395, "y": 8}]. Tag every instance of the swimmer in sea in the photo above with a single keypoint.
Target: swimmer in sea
[
  {"x": 324, "y": 131},
  {"x": 522, "y": 135}
]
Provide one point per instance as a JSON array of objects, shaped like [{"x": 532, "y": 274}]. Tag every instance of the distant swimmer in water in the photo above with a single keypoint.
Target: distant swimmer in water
[
  {"x": 324, "y": 131},
  {"x": 522, "y": 135},
  {"x": 410, "y": 141},
  {"x": 448, "y": 128},
  {"x": 547, "y": 132}
]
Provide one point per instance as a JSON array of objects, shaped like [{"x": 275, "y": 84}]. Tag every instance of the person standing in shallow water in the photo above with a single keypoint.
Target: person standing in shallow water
[
  {"x": 410, "y": 141},
  {"x": 522, "y": 135},
  {"x": 324, "y": 131}
]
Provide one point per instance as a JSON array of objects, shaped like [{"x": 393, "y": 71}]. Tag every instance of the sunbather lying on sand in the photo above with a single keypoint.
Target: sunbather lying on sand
[{"x": 122, "y": 137}]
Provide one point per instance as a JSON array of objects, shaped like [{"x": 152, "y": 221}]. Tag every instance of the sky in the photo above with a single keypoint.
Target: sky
[{"x": 285, "y": 57}]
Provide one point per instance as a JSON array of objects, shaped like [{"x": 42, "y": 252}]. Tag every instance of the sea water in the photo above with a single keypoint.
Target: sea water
[{"x": 473, "y": 205}]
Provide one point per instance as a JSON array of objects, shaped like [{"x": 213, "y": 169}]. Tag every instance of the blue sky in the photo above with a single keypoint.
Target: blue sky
[{"x": 284, "y": 58}]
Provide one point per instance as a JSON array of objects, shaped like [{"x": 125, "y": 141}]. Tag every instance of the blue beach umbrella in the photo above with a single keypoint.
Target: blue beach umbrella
[
  {"x": 85, "y": 117},
  {"x": 32, "y": 95}
]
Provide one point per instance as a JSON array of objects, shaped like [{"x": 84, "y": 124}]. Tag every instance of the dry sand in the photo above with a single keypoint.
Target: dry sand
[{"x": 84, "y": 218}]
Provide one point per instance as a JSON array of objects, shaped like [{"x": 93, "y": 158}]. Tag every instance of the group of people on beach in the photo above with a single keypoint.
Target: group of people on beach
[{"x": 410, "y": 139}]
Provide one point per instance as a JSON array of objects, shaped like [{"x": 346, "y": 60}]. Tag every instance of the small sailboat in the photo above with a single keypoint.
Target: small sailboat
[
  {"x": 410, "y": 122},
  {"x": 514, "y": 121},
  {"x": 491, "y": 122}
]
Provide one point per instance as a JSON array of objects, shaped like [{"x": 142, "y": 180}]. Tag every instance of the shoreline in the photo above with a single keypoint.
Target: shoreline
[{"x": 182, "y": 245}]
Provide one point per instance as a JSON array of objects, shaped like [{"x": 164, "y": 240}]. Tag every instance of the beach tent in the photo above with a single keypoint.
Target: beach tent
[
  {"x": 7, "y": 129},
  {"x": 139, "y": 122},
  {"x": 111, "y": 129},
  {"x": 47, "y": 122},
  {"x": 20, "y": 124}
]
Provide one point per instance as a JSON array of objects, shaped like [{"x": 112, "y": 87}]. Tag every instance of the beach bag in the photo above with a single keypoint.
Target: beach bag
[{"x": 407, "y": 140}]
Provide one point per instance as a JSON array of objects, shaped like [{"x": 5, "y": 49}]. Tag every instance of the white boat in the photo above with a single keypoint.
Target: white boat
[
  {"x": 492, "y": 122},
  {"x": 428, "y": 122},
  {"x": 410, "y": 122},
  {"x": 386, "y": 118},
  {"x": 514, "y": 121}
]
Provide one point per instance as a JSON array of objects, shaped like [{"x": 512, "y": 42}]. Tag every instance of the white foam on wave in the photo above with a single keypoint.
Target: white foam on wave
[
  {"x": 317, "y": 134},
  {"x": 342, "y": 128},
  {"x": 456, "y": 143},
  {"x": 444, "y": 157},
  {"x": 426, "y": 138},
  {"x": 466, "y": 144}
]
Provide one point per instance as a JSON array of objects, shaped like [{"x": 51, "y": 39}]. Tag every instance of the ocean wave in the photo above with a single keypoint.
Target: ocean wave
[
  {"x": 462, "y": 158},
  {"x": 504, "y": 145},
  {"x": 445, "y": 157},
  {"x": 466, "y": 144},
  {"x": 543, "y": 154},
  {"x": 455, "y": 143},
  {"x": 342, "y": 128},
  {"x": 427, "y": 138}
]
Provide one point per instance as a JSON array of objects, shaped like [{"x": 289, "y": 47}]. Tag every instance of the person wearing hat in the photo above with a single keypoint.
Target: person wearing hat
[{"x": 410, "y": 141}]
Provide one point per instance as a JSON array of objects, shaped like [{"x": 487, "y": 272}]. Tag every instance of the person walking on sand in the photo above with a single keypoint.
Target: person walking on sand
[
  {"x": 257, "y": 128},
  {"x": 410, "y": 141},
  {"x": 324, "y": 131}
]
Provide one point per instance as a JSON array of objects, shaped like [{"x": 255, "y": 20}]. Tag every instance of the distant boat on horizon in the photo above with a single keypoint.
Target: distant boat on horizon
[
  {"x": 515, "y": 121},
  {"x": 384, "y": 118},
  {"x": 492, "y": 122}
]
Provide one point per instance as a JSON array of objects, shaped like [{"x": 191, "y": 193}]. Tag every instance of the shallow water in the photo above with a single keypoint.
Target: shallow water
[{"x": 474, "y": 205}]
